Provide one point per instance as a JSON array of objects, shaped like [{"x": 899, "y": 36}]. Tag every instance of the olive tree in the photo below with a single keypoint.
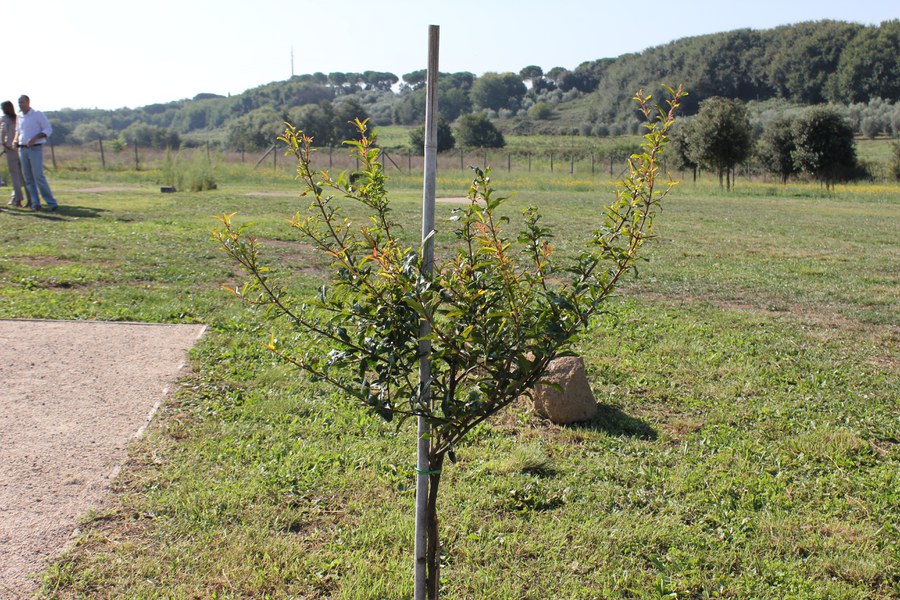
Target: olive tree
[
  {"x": 824, "y": 146},
  {"x": 776, "y": 148},
  {"x": 499, "y": 308},
  {"x": 721, "y": 136}
]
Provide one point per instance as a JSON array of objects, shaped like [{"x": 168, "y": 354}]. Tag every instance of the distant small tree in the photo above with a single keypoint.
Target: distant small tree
[
  {"x": 253, "y": 131},
  {"x": 415, "y": 79},
  {"x": 497, "y": 90},
  {"x": 555, "y": 73},
  {"x": 824, "y": 146},
  {"x": 445, "y": 139},
  {"x": 337, "y": 79},
  {"x": 477, "y": 131},
  {"x": 150, "y": 136},
  {"x": 347, "y": 112},
  {"x": 531, "y": 73},
  {"x": 541, "y": 111},
  {"x": 317, "y": 121},
  {"x": 91, "y": 132},
  {"x": 721, "y": 136},
  {"x": 894, "y": 164},
  {"x": 776, "y": 148},
  {"x": 679, "y": 149}
]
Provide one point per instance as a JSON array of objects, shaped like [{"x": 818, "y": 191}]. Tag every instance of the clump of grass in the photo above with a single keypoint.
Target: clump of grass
[
  {"x": 531, "y": 458},
  {"x": 195, "y": 174}
]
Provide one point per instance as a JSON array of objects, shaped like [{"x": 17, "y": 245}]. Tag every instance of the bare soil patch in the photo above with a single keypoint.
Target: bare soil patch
[
  {"x": 102, "y": 189},
  {"x": 72, "y": 396}
]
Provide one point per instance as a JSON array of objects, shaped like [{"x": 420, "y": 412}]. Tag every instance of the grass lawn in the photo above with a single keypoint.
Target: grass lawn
[{"x": 748, "y": 444}]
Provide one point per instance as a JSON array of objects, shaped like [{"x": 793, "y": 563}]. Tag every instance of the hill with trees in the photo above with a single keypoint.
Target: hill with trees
[{"x": 775, "y": 71}]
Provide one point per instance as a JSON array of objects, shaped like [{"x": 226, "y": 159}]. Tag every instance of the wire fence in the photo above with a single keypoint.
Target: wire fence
[{"x": 112, "y": 156}]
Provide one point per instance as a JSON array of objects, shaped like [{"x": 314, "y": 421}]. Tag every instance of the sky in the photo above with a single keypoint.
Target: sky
[{"x": 116, "y": 53}]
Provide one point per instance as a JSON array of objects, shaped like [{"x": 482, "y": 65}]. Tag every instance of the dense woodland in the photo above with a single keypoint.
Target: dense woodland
[{"x": 851, "y": 66}]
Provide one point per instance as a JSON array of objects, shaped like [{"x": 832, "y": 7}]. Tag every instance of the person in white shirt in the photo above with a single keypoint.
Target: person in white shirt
[{"x": 32, "y": 131}]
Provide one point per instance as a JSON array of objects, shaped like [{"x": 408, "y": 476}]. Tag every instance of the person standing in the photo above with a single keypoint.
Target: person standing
[
  {"x": 32, "y": 131},
  {"x": 7, "y": 139}
]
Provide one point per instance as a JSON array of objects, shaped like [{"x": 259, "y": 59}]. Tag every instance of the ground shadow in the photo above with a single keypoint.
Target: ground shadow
[
  {"x": 61, "y": 213},
  {"x": 613, "y": 421}
]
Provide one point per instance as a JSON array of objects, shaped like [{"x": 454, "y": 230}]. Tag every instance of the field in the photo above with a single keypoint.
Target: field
[{"x": 748, "y": 444}]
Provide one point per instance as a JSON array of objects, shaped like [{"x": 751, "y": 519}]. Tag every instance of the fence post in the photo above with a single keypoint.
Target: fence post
[
  {"x": 408, "y": 160},
  {"x": 592, "y": 163},
  {"x": 572, "y": 166},
  {"x": 52, "y": 154},
  {"x": 102, "y": 155},
  {"x": 461, "y": 167},
  {"x": 551, "y": 162},
  {"x": 208, "y": 159},
  {"x": 330, "y": 157},
  {"x": 508, "y": 162},
  {"x": 529, "y": 162},
  {"x": 484, "y": 158},
  {"x": 274, "y": 159},
  {"x": 242, "y": 155},
  {"x": 610, "y": 164},
  {"x": 137, "y": 164}
]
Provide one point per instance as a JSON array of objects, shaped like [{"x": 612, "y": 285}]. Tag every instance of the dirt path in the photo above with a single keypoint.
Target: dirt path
[{"x": 72, "y": 395}]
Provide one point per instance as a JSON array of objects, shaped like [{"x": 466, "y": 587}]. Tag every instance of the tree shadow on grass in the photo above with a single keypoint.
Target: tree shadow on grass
[
  {"x": 81, "y": 212},
  {"x": 613, "y": 421}
]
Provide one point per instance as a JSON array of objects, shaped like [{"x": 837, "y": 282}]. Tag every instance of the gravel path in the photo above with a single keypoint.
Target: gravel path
[{"x": 72, "y": 396}]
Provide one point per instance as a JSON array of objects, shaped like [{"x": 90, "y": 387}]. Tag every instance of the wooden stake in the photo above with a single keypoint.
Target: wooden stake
[{"x": 423, "y": 427}]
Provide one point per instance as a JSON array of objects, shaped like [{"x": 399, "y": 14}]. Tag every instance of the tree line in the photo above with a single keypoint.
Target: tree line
[
  {"x": 818, "y": 142},
  {"x": 807, "y": 63}
]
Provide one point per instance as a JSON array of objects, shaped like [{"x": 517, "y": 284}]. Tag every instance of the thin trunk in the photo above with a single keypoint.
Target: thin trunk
[{"x": 433, "y": 546}]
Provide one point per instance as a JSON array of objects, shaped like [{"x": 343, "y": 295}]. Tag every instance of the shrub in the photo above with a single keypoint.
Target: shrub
[
  {"x": 477, "y": 131},
  {"x": 445, "y": 139},
  {"x": 541, "y": 111},
  {"x": 489, "y": 318}
]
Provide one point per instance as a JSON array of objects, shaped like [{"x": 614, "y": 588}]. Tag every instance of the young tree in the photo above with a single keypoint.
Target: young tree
[
  {"x": 824, "y": 146},
  {"x": 894, "y": 164},
  {"x": 776, "y": 148},
  {"x": 497, "y": 314},
  {"x": 721, "y": 136},
  {"x": 477, "y": 131},
  {"x": 680, "y": 149}
]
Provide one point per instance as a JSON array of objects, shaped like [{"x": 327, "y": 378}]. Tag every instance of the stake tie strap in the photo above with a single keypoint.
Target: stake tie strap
[{"x": 426, "y": 472}]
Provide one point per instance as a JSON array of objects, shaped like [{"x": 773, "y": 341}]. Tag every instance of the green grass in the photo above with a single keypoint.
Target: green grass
[{"x": 748, "y": 444}]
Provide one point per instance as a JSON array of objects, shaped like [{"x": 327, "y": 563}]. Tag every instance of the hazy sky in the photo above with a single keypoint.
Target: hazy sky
[{"x": 115, "y": 53}]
